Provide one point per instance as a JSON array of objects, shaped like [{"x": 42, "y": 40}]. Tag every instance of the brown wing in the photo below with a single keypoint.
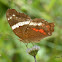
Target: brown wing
[
  {"x": 15, "y": 17},
  {"x": 27, "y": 29},
  {"x": 35, "y": 32}
]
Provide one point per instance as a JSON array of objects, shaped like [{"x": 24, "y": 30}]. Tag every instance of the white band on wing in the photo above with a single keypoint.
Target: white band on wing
[
  {"x": 20, "y": 24},
  {"x": 25, "y": 23}
]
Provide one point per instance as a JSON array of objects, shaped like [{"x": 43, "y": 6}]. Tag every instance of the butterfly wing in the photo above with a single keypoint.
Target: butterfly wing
[
  {"x": 27, "y": 29},
  {"x": 18, "y": 22},
  {"x": 38, "y": 29}
]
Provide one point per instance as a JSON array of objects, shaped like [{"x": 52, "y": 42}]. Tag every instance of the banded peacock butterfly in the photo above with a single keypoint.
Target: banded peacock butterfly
[{"x": 27, "y": 29}]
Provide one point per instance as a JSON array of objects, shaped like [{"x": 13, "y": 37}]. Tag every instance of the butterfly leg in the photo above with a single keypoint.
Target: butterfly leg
[
  {"x": 32, "y": 43},
  {"x": 26, "y": 45}
]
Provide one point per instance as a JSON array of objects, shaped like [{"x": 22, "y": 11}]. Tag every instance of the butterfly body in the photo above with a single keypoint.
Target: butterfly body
[{"x": 27, "y": 29}]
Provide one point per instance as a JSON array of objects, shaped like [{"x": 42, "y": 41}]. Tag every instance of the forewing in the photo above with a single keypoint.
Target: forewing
[{"x": 18, "y": 22}]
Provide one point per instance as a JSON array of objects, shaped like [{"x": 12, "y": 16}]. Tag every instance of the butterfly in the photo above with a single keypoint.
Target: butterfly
[{"x": 27, "y": 29}]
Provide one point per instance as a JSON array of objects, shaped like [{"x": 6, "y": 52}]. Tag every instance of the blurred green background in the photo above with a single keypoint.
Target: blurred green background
[{"x": 12, "y": 50}]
